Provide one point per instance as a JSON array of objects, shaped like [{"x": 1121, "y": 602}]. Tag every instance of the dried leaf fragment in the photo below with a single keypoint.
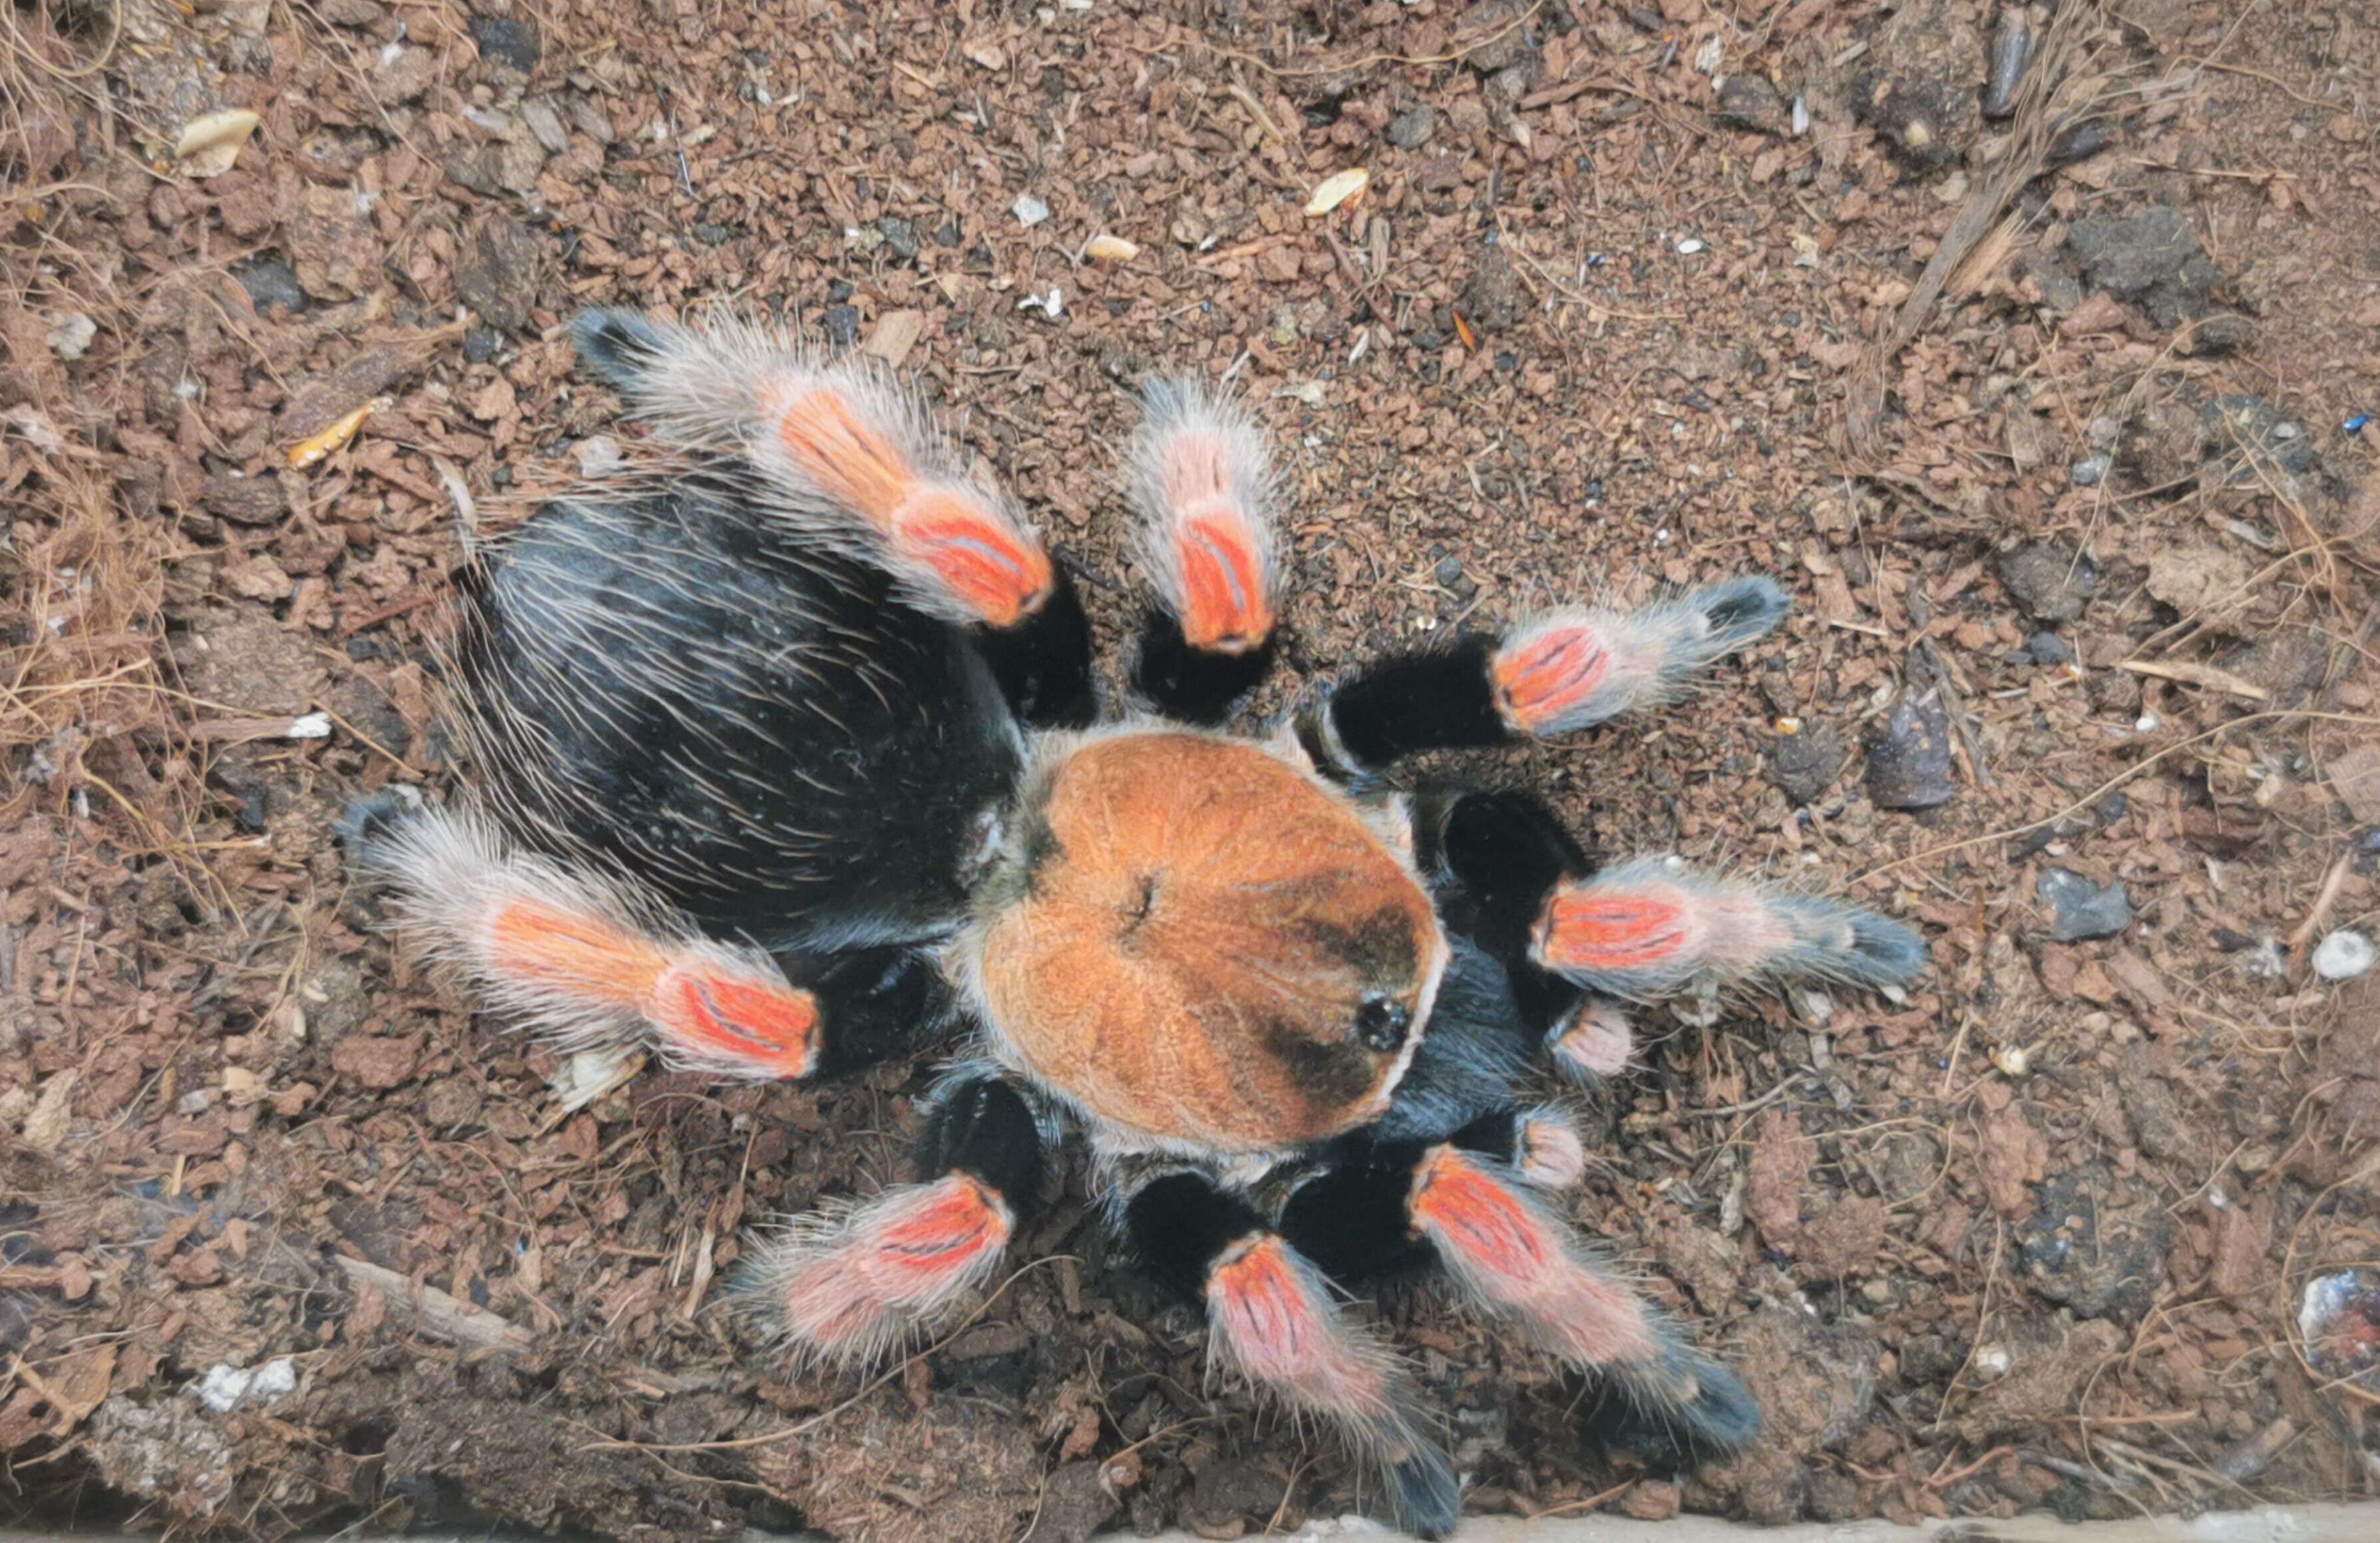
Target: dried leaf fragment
[
  {"x": 211, "y": 142},
  {"x": 315, "y": 448},
  {"x": 1338, "y": 189},
  {"x": 46, "y": 1127}
]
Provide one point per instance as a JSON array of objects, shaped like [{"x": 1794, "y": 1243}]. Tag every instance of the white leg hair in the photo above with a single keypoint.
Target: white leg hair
[
  {"x": 1201, "y": 479},
  {"x": 1653, "y": 927},
  {"x": 577, "y": 961},
  {"x": 1572, "y": 668},
  {"x": 847, "y": 454}
]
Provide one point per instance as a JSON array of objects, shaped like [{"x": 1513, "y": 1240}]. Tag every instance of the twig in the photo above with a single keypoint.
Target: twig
[
  {"x": 2198, "y": 674},
  {"x": 437, "y": 1313}
]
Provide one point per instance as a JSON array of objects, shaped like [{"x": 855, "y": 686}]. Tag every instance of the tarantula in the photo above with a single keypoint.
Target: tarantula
[{"x": 790, "y": 759}]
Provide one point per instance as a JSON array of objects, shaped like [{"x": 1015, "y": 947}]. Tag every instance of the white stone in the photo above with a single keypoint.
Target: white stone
[{"x": 2344, "y": 956}]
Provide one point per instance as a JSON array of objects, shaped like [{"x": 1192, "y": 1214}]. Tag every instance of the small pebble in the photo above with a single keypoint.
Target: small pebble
[
  {"x": 506, "y": 41},
  {"x": 2092, "y": 471},
  {"x": 1909, "y": 757},
  {"x": 599, "y": 456},
  {"x": 70, "y": 334},
  {"x": 2047, "y": 647},
  {"x": 270, "y": 283},
  {"x": 1029, "y": 211},
  {"x": 2266, "y": 961},
  {"x": 2338, "y": 1318},
  {"x": 2079, "y": 908},
  {"x": 481, "y": 344},
  {"x": 2344, "y": 956},
  {"x": 1413, "y": 127}
]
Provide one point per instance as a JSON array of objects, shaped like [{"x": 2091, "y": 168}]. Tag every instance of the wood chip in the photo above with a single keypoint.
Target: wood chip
[
  {"x": 896, "y": 333},
  {"x": 315, "y": 448},
  {"x": 46, "y": 1127},
  {"x": 1337, "y": 189},
  {"x": 438, "y": 1314},
  {"x": 2355, "y": 777}
]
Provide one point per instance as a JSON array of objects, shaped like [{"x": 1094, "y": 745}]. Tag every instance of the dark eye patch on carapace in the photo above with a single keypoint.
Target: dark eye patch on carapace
[
  {"x": 1329, "y": 1074},
  {"x": 1381, "y": 948}
]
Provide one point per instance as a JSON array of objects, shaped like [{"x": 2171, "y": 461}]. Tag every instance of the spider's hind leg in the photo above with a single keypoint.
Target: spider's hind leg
[
  {"x": 853, "y": 460},
  {"x": 1275, "y": 1318},
  {"x": 584, "y": 960},
  {"x": 1471, "y": 1206},
  {"x": 1203, "y": 488},
  {"x": 852, "y": 1282}
]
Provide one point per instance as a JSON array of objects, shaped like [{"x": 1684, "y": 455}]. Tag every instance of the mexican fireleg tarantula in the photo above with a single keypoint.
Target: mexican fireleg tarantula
[{"x": 790, "y": 761}]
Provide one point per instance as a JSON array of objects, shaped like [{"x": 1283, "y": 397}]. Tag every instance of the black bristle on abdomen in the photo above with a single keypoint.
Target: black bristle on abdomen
[{"x": 666, "y": 686}]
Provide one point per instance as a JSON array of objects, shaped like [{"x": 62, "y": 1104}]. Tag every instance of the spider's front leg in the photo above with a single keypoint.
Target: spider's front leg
[
  {"x": 854, "y": 461},
  {"x": 1559, "y": 672},
  {"x": 1203, "y": 488},
  {"x": 1474, "y": 1206},
  {"x": 1573, "y": 938},
  {"x": 582, "y": 961},
  {"x": 1273, "y": 1317},
  {"x": 852, "y": 1282}
]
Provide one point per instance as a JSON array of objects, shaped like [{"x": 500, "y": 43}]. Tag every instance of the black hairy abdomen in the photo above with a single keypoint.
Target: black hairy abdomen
[{"x": 666, "y": 684}]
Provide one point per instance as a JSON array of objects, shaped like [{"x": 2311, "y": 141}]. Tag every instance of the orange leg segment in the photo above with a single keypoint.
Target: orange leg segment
[
  {"x": 1514, "y": 1256},
  {"x": 982, "y": 558},
  {"x": 1547, "y": 675},
  {"x": 848, "y": 1284},
  {"x": 707, "y": 1007}
]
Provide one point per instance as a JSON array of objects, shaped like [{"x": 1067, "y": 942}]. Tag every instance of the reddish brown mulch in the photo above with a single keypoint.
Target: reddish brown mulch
[{"x": 2035, "y": 1235}]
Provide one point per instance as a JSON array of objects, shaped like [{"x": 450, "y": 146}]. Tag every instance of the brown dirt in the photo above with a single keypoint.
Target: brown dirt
[{"x": 1506, "y": 376}]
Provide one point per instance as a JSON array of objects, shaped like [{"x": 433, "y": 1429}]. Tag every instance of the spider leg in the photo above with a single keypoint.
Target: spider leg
[
  {"x": 1203, "y": 487},
  {"x": 853, "y": 459},
  {"x": 1471, "y": 1206},
  {"x": 585, "y": 962},
  {"x": 1559, "y": 672},
  {"x": 1653, "y": 927},
  {"x": 1494, "y": 857},
  {"x": 1510, "y": 876},
  {"x": 1273, "y": 1317},
  {"x": 850, "y": 1282}
]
